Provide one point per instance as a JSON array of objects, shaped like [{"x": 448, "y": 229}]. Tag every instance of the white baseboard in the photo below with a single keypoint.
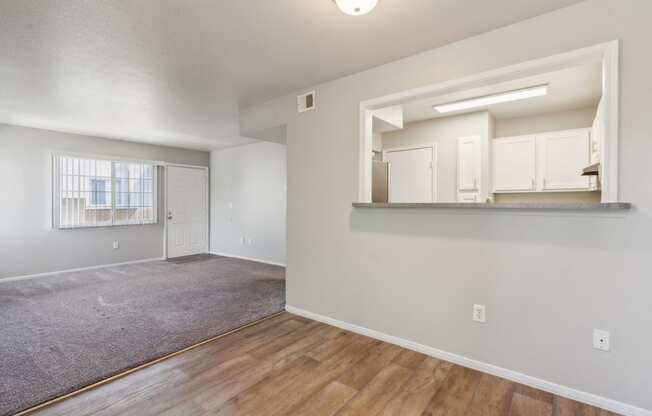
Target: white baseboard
[
  {"x": 79, "y": 269},
  {"x": 557, "y": 389},
  {"x": 235, "y": 256}
]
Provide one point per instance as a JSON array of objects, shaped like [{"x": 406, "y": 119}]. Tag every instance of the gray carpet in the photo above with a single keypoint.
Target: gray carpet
[{"x": 62, "y": 332}]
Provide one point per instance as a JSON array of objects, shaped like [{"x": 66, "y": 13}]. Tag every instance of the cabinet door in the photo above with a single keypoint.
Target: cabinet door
[
  {"x": 563, "y": 156},
  {"x": 514, "y": 164},
  {"x": 468, "y": 163}
]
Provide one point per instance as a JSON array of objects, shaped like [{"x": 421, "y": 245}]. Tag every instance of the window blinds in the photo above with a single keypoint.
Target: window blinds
[{"x": 100, "y": 192}]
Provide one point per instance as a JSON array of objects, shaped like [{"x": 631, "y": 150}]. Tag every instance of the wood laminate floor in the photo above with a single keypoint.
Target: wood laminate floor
[{"x": 288, "y": 365}]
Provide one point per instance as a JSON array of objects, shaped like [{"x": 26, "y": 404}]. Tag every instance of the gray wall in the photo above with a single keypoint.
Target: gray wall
[
  {"x": 547, "y": 278},
  {"x": 248, "y": 201},
  {"x": 29, "y": 244},
  {"x": 445, "y": 132}
]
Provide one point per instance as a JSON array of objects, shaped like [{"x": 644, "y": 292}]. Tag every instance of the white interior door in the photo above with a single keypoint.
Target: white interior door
[
  {"x": 411, "y": 175},
  {"x": 187, "y": 216}
]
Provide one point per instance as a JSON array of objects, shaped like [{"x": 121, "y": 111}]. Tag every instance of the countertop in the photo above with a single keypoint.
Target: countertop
[{"x": 580, "y": 206}]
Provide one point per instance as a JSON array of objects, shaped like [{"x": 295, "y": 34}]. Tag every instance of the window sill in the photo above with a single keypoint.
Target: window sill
[{"x": 607, "y": 206}]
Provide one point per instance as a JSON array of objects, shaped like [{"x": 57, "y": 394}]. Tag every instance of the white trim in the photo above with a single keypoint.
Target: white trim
[
  {"x": 570, "y": 393},
  {"x": 611, "y": 101},
  {"x": 235, "y": 256},
  {"x": 434, "y": 162},
  {"x": 79, "y": 269},
  {"x": 608, "y": 53},
  {"x": 365, "y": 149}
]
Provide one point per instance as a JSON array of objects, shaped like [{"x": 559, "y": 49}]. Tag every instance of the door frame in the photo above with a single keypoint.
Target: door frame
[
  {"x": 435, "y": 167},
  {"x": 167, "y": 195}
]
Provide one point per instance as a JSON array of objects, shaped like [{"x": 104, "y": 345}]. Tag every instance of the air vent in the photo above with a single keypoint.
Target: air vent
[{"x": 306, "y": 102}]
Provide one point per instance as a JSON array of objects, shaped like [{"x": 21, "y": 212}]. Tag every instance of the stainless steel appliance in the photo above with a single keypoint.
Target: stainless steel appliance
[{"x": 380, "y": 181}]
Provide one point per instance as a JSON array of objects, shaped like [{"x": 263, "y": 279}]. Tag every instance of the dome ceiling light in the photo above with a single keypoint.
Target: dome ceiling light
[{"x": 356, "y": 7}]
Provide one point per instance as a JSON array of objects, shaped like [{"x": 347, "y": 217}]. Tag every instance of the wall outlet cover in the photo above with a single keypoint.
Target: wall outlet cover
[
  {"x": 479, "y": 313},
  {"x": 601, "y": 340},
  {"x": 116, "y": 245}
]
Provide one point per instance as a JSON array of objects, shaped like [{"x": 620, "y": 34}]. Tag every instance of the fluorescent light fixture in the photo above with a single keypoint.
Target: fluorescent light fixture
[
  {"x": 488, "y": 100},
  {"x": 356, "y": 7}
]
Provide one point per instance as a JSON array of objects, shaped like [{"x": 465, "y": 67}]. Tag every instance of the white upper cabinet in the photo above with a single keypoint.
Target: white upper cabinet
[
  {"x": 563, "y": 155},
  {"x": 469, "y": 164},
  {"x": 514, "y": 164},
  {"x": 546, "y": 162}
]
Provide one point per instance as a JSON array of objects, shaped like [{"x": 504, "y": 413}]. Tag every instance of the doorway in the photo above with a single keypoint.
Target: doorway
[{"x": 187, "y": 210}]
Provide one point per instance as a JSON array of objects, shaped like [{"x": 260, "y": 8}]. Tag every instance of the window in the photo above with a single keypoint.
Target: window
[
  {"x": 99, "y": 188},
  {"x": 98, "y": 192}
]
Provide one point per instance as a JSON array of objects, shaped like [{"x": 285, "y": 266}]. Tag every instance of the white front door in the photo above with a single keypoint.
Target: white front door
[
  {"x": 410, "y": 175},
  {"x": 187, "y": 216}
]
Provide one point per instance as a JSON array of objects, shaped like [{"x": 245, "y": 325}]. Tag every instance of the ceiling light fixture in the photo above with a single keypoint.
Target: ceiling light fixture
[
  {"x": 487, "y": 100},
  {"x": 356, "y": 7}
]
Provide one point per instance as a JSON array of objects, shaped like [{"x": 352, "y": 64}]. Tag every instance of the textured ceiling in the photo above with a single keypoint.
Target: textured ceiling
[{"x": 176, "y": 72}]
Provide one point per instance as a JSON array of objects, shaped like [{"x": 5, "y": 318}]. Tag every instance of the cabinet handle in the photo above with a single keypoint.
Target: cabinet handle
[
  {"x": 475, "y": 183},
  {"x": 534, "y": 184},
  {"x": 544, "y": 183}
]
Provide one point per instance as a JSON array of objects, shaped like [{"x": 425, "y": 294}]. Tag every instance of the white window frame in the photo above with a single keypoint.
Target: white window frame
[{"x": 56, "y": 190}]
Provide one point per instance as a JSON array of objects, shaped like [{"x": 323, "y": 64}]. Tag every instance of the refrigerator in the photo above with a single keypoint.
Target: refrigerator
[{"x": 380, "y": 181}]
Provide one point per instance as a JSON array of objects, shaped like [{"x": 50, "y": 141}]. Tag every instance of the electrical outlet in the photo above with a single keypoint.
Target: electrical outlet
[
  {"x": 116, "y": 245},
  {"x": 601, "y": 340},
  {"x": 479, "y": 313}
]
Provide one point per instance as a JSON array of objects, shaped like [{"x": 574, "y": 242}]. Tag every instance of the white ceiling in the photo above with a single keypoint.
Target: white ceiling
[
  {"x": 176, "y": 72},
  {"x": 570, "y": 88}
]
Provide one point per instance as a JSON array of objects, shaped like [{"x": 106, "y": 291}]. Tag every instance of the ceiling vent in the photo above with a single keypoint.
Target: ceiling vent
[{"x": 306, "y": 101}]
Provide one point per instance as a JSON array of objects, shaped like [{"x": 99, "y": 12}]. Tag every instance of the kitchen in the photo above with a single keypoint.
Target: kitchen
[{"x": 529, "y": 140}]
